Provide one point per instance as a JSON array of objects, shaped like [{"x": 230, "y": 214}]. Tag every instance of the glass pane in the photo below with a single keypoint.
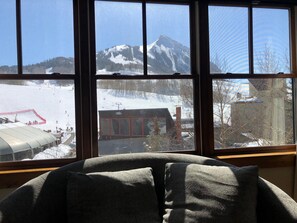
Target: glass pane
[
  {"x": 252, "y": 112},
  {"x": 271, "y": 41},
  {"x": 8, "y": 48},
  {"x": 118, "y": 37},
  {"x": 146, "y": 116},
  {"x": 137, "y": 126},
  {"x": 168, "y": 37},
  {"x": 47, "y": 36},
  {"x": 37, "y": 120},
  {"x": 228, "y": 39}
]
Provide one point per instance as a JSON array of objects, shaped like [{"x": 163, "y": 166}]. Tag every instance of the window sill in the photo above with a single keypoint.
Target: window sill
[
  {"x": 263, "y": 160},
  {"x": 15, "y": 178}
]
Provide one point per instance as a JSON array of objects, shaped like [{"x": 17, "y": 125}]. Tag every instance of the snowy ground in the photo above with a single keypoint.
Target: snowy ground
[{"x": 55, "y": 104}]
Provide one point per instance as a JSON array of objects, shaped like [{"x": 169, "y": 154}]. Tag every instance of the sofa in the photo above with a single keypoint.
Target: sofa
[{"x": 46, "y": 198}]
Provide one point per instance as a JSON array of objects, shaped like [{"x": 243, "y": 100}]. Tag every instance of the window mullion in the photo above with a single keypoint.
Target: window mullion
[
  {"x": 144, "y": 36},
  {"x": 19, "y": 37},
  {"x": 84, "y": 72},
  {"x": 207, "y": 135},
  {"x": 250, "y": 40},
  {"x": 293, "y": 28}
]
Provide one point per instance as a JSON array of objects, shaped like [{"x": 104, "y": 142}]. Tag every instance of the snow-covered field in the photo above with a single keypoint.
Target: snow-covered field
[
  {"x": 55, "y": 105},
  {"x": 51, "y": 107}
]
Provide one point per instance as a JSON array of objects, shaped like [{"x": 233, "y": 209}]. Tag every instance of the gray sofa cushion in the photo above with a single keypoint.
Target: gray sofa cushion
[
  {"x": 200, "y": 193},
  {"x": 122, "y": 196}
]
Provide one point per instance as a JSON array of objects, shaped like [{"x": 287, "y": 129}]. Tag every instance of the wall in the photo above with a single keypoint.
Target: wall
[
  {"x": 283, "y": 177},
  {"x": 4, "y": 192}
]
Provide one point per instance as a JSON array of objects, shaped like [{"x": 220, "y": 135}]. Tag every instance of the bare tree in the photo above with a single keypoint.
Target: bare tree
[
  {"x": 267, "y": 61},
  {"x": 277, "y": 96},
  {"x": 224, "y": 94}
]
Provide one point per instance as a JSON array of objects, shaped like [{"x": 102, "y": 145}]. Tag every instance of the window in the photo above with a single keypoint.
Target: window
[
  {"x": 168, "y": 49},
  {"x": 247, "y": 43},
  {"x": 47, "y": 40},
  {"x": 80, "y": 79},
  {"x": 143, "y": 112},
  {"x": 37, "y": 111},
  {"x": 146, "y": 42},
  {"x": 8, "y": 46}
]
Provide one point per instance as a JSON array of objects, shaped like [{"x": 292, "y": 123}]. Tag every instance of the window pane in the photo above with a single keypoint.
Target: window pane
[
  {"x": 104, "y": 127},
  {"x": 252, "y": 112},
  {"x": 271, "y": 40},
  {"x": 160, "y": 113},
  {"x": 137, "y": 126},
  {"x": 8, "y": 48},
  {"x": 118, "y": 38},
  {"x": 168, "y": 38},
  {"x": 228, "y": 39},
  {"x": 47, "y": 36},
  {"x": 32, "y": 127},
  {"x": 124, "y": 127}
]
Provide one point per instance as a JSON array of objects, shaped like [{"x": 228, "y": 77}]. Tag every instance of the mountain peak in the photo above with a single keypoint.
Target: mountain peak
[{"x": 168, "y": 42}]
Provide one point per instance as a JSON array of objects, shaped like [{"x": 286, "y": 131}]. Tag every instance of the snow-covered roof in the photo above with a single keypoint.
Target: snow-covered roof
[
  {"x": 18, "y": 137},
  {"x": 248, "y": 100}
]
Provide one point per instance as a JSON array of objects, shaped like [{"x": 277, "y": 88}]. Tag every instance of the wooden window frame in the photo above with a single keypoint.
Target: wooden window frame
[
  {"x": 207, "y": 77},
  {"x": 85, "y": 79},
  {"x": 145, "y": 76}
]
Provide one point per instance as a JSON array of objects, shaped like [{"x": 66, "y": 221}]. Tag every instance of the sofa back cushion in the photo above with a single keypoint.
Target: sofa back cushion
[
  {"x": 201, "y": 193},
  {"x": 122, "y": 196}
]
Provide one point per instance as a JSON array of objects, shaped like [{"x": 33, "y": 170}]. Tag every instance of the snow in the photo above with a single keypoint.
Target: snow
[
  {"x": 54, "y": 103},
  {"x": 116, "y": 49},
  {"x": 249, "y": 100},
  {"x": 109, "y": 100},
  {"x": 120, "y": 59},
  {"x": 25, "y": 116},
  {"x": 104, "y": 71},
  {"x": 60, "y": 151}
]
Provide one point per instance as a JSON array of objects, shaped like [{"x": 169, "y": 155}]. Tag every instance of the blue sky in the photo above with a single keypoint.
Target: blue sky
[
  {"x": 121, "y": 23},
  {"x": 229, "y": 36},
  {"x": 47, "y": 29}
]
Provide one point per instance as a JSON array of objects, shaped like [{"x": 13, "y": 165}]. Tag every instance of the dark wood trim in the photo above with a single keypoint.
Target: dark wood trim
[
  {"x": 14, "y": 179},
  {"x": 252, "y": 76},
  {"x": 293, "y": 40},
  {"x": 37, "y": 77},
  {"x": 78, "y": 110},
  {"x": 267, "y": 160},
  {"x": 255, "y": 150},
  {"x": 143, "y": 77},
  {"x": 32, "y": 164},
  {"x": 193, "y": 8},
  {"x": 144, "y": 38},
  {"x": 85, "y": 77},
  {"x": 19, "y": 37},
  {"x": 205, "y": 82},
  {"x": 275, "y": 3},
  {"x": 250, "y": 40},
  {"x": 93, "y": 67}
]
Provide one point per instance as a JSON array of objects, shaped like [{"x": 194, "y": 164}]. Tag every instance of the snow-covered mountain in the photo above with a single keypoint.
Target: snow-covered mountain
[{"x": 165, "y": 55}]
